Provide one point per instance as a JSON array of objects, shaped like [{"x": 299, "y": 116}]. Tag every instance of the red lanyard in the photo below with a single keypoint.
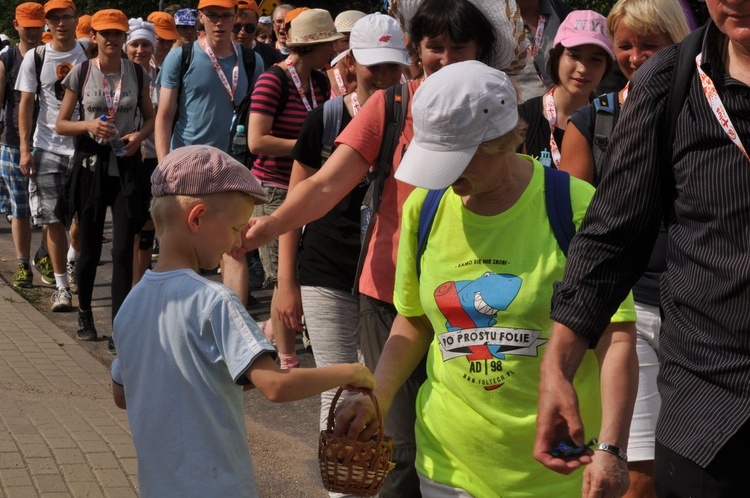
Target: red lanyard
[
  {"x": 235, "y": 71},
  {"x": 549, "y": 106},
  {"x": 355, "y": 104},
  {"x": 537, "y": 38},
  {"x": 717, "y": 107},
  {"x": 112, "y": 103},
  {"x": 339, "y": 80},
  {"x": 298, "y": 85}
]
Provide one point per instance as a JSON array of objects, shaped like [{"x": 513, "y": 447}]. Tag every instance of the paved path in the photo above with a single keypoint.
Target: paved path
[{"x": 60, "y": 432}]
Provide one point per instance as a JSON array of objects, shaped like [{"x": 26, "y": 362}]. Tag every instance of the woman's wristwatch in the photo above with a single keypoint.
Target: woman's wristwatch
[{"x": 615, "y": 450}]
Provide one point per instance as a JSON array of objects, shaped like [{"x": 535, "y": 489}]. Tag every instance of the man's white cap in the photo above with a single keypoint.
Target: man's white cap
[
  {"x": 456, "y": 110},
  {"x": 376, "y": 39}
]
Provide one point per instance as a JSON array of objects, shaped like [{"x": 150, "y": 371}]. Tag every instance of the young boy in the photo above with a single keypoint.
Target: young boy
[{"x": 186, "y": 345}]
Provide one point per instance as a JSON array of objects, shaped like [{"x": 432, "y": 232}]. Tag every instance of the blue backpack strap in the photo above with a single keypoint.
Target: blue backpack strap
[
  {"x": 333, "y": 114},
  {"x": 559, "y": 209},
  {"x": 426, "y": 217}
]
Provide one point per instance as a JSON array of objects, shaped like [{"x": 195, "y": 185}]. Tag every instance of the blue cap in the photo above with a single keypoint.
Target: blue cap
[{"x": 186, "y": 17}]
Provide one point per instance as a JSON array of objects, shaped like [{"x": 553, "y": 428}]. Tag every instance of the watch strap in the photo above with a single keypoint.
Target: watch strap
[{"x": 615, "y": 450}]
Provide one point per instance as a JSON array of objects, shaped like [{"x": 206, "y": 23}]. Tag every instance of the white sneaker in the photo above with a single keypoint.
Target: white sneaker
[{"x": 62, "y": 300}]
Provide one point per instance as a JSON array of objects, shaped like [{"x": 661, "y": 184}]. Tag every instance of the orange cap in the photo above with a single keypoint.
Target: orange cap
[
  {"x": 164, "y": 25},
  {"x": 248, "y": 5},
  {"x": 110, "y": 19},
  {"x": 30, "y": 15},
  {"x": 59, "y": 4},
  {"x": 46, "y": 37},
  {"x": 292, "y": 14},
  {"x": 83, "y": 28},
  {"x": 225, "y": 4}
]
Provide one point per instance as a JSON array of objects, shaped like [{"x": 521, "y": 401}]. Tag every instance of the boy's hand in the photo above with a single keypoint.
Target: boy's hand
[
  {"x": 361, "y": 378},
  {"x": 259, "y": 232}
]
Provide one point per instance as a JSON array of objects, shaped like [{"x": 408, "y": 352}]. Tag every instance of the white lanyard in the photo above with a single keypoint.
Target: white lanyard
[
  {"x": 355, "y": 104},
  {"x": 298, "y": 85},
  {"x": 717, "y": 107},
  {"x": 537, "y": 38},
  {"x": 112, "y": 103},
  {"x": 339, "y": 80},
  {"x": 235, "y": 71},
  {"x": 549, "y": 106}
]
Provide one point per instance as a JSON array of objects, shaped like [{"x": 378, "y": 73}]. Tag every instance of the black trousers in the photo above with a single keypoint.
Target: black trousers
[
  {"x": 725, "y": 477},
  {"x": 91, "y": 228}
]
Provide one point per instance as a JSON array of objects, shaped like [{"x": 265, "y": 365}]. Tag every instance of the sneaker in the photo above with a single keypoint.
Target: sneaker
[
  {"x": 70, "y": 268},
  {"x": 86, "y": 329},
  {"x": 23, "y": 277},
  {"x": 62, "y": 300},
  {"x": 44, "y": 265},
  {"x": 111, "y": 347}
]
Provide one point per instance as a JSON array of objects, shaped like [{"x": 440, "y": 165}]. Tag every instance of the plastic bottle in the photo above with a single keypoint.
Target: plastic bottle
[
  {"x": 115, "y": 142},
  {"x": 239, "y": 142}
]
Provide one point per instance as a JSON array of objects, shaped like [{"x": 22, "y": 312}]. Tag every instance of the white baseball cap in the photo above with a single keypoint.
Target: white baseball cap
[
  {"x": 376, "y": 39},
  {"x": 456, "y": 110}
]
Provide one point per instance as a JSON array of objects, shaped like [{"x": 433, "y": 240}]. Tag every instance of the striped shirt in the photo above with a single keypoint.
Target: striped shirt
[
  {"x": 704, "y": 346},
  {"x": 274, "y": 171}
]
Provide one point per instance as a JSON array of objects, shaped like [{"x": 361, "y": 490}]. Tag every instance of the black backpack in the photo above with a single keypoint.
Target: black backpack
[
  {"x": 242, "y": 112},
  {"x": 396, "y": 106}
]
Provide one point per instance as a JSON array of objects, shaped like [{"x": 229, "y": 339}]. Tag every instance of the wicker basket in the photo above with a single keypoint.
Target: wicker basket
[{"x": 354, "y": 467}]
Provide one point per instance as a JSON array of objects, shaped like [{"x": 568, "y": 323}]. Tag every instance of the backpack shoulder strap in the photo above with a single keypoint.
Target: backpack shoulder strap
[
  {"x": 39, "y": 53},
  {"x": 607, "y": 112},
  {"x": 83, "y": 78},
  {"x": 185, "y": 59},
  {"x": 426, "y": 218},
  {"x": 248, "y": 62},
  {"x": 8, "y": 59},
  {"x": 139, "y": 78},
  {"x": 333, "y": 115},
  {"x": 559, "y": 209},
  {"x": 284, "y": 87},
  {"x": 396, "y": 105},
  {"x": 679, "y": 89}
]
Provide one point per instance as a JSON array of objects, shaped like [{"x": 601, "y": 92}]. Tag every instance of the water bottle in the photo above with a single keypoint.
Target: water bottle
[
  {"x": 239, "y": 142},
  {"x": 115, "y": 142}
]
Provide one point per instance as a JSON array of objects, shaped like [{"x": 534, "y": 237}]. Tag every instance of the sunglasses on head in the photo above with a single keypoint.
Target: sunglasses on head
[{"x": 249, "y": 28}]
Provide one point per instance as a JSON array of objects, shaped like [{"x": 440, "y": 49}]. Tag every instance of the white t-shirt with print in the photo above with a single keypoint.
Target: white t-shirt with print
[{"x": 56, "y": 65}]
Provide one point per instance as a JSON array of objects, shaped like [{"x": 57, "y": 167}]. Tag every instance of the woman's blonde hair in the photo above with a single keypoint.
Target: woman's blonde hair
[
  {"x": 506, "y": 144},
  {"x": 649, "y": 17}
]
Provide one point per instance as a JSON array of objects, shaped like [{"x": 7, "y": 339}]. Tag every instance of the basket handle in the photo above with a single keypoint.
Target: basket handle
[{"x": 380, "y": 433}]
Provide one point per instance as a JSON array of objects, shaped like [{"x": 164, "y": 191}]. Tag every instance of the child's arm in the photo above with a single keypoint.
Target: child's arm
[
  {"x": 281, "y": 386},
  {"x": 119, "y": 394},
  {"x": 118, "y": 391}
]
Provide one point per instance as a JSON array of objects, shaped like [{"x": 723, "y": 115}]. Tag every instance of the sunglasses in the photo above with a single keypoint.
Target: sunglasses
[{"x": 249, "y": 28}]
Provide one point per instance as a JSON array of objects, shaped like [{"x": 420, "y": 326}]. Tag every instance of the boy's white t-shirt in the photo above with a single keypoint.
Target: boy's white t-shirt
[
  {"x": 55, "y": 66},
  {"x": 183, "y": 342}
]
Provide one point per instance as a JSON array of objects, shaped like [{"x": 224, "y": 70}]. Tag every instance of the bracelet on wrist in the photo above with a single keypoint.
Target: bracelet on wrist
[{"x": 615, "y": 450}]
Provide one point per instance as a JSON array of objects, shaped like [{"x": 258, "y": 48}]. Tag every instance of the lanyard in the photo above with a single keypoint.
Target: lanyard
[
  {"x": 549, "y": 106},
  {"x": 235, "y": 71},
  {"x": 298, "y": 85},
  {"x": 112, "y": 103},
  {"x": 537, "y": 37},
  {"x": 717, "y": 107},
  {"x": 355, "y": 104},
  {"x": 625, "y": 91},
  {"x": 339, "y": 80}
]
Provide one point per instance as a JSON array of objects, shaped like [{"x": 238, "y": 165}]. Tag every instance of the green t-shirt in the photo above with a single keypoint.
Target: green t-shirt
[{"x": 486, "y": 287}]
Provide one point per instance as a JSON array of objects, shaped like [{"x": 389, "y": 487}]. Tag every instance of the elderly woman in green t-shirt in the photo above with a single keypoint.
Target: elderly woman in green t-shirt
[{"x": 475, "y": 269}]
